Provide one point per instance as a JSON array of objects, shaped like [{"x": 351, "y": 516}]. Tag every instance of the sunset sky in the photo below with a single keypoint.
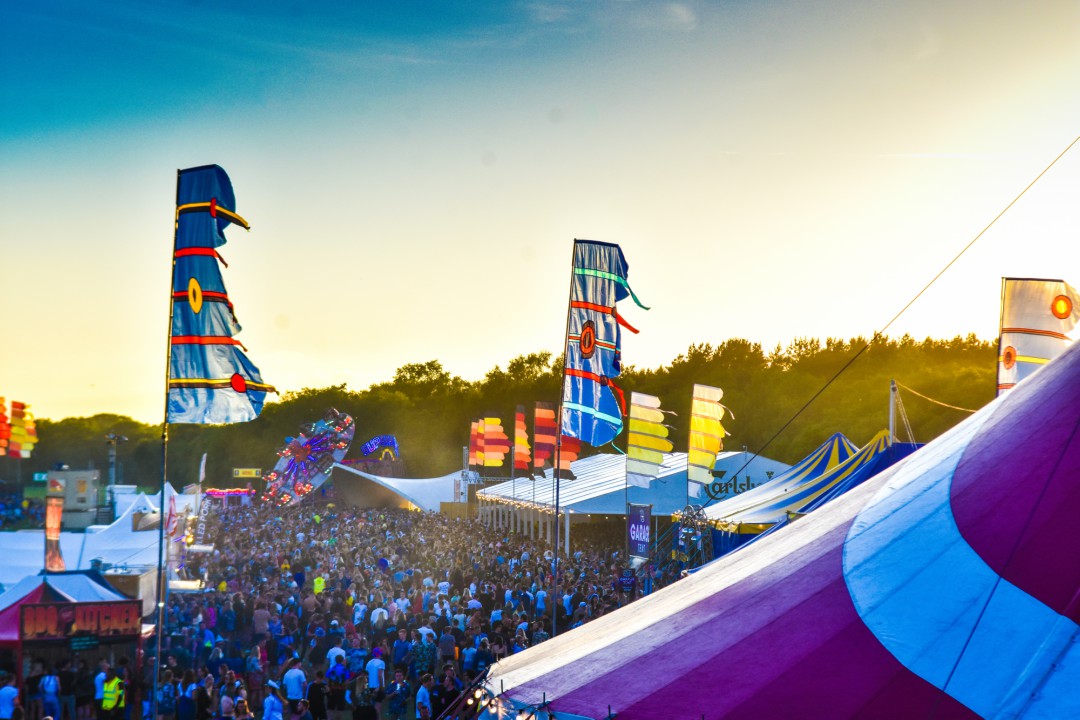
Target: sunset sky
[{"x": 415, "y": 174}]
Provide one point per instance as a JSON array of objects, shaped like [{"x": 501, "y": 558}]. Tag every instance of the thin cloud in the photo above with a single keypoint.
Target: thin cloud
[
  {"x": 548, "y": 13},
  {"x": 681, "y": 16}
]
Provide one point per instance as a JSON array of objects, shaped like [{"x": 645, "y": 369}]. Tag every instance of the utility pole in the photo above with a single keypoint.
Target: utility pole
[{"x": 112, "y": 439}]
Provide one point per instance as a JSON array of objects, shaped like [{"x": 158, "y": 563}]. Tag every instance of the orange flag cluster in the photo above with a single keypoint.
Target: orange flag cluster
[
  {"x": 521, "y": 441},
  {"x": 489, "y": 444},
  {"x": 18, "y": 433}
]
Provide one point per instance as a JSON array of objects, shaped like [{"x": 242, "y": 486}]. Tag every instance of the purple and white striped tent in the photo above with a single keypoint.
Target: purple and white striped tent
[{"x": 946, "y": 587}]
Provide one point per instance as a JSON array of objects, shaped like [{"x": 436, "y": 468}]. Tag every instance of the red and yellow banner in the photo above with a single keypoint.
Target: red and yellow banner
[
  {"x": 521, "y": 440},
  {"x": 60, "y": 621},
  {"x": 496, "y": 444}
]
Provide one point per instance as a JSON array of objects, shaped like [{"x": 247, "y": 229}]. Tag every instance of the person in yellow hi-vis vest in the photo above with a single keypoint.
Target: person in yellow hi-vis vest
[{"x": 112, "y": 702}]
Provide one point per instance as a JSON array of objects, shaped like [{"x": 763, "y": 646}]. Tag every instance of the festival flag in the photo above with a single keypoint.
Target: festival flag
[
  {"x": 1035, "y": 317},
  {"x": 474, "y": 444},
  {"x": 22, "y": 432},
  {"x": 211, "y": 380},
  {"x": 496, "y": 443},
  {"x": 480, "y": 442},
  {"x": 706, "y": 432},
  {"x": 172, "y": 521},
  {"x": 593, "y": 406},
  {"x": 568, "y": 454},
  {"x": 5, "y": 428},
  {"x": 544, "y": 429},
  {"x": 647, "y": 441},
  {"x": 521, "y": 440}
]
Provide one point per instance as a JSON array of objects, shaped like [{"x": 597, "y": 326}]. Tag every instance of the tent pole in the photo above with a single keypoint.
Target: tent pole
[{"x": 892, "y": 412}]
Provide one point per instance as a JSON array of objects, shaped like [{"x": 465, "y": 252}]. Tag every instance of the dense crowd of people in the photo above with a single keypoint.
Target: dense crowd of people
[
  {"x": 15, "y": 512},
  {"x": 314, "y": 612},
  {"x": 318, "y": 613}
]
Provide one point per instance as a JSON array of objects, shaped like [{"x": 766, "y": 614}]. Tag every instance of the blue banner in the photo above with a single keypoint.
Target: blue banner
[
  {"x": 211, "y": 380},
  {"x": 593, "y": 406},
  {"x": 639, "y": 530}
]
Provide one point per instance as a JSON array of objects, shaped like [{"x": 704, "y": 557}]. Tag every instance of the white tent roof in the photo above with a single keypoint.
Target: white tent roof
[
  {"x": 424, "y": 493},
  {"x": 600, "y": 486},
  {"x": 74, "y": 587},
  {"x": 116, "y": 544}
]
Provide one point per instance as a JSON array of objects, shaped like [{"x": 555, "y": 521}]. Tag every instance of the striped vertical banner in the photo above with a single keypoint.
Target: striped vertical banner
[
  {"x": 706, "y": 432},
  {"x": 647, "y": 441}
]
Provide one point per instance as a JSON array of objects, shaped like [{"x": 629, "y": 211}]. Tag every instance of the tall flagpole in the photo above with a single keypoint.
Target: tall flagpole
[
  {"x": 558, "y": 444},
  {"x": 162, "y": 575}
]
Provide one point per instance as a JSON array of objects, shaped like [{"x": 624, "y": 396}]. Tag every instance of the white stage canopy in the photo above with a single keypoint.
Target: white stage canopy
[{"x": 600, "y": 488}]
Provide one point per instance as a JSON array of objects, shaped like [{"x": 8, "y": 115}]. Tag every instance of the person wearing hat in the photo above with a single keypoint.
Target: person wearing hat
[
  {"x": 376, "y": 672},
  {"x": 273, "y": 707}
]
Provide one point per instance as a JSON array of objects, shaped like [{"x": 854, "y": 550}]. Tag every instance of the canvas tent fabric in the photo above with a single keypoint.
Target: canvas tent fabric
[
  {"x": 116, "y": 544},
  {"x": 425, "y": 493},
  {"x": 833, "y": 452},
  {"x": 599, "y": 485},
  {"x": 754, "y": 518},
  {"x": 71, "y": 586},
  {"x": 733, "y": 531},
  {"x": 944, "y": 587}
]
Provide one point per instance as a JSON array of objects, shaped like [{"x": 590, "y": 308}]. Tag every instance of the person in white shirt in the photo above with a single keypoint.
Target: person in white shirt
[
  {"x": 423, "y": 696},
  {"x": 295, "y": 682},
  {"x": 359, "y": 612},
  {"x": 376, "y": 671},
  {"x": 273, "y": 708},
  {"x": 377, "y": 614},
  {"x": 334, "y": 653}
]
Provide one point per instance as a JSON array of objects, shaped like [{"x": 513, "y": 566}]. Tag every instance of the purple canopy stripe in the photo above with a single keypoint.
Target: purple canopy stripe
[{"x": 948, "y": 586}]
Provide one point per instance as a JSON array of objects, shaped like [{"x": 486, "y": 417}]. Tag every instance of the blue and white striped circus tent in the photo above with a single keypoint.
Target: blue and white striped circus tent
[{"x": 945, "y": 587}]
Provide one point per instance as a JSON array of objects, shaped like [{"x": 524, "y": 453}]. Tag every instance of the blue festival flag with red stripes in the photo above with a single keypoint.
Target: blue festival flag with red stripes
[
  {"x": 593, "y": 405},
  {"x": 211, "y": 380}
]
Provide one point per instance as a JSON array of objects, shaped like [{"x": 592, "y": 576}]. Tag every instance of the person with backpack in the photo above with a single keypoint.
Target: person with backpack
[{"x": 338, "y": 679}]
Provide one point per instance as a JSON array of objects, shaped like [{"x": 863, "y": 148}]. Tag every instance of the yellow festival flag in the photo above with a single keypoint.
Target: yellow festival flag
[
  {"x": 647, "y": 441},
  {"x": 706, "y": 432}
]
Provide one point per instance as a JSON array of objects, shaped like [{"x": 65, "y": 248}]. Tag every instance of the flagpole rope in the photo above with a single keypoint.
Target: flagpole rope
[
  {"x": 895, "y": 317},
  {"x": 936, "y": 402}
]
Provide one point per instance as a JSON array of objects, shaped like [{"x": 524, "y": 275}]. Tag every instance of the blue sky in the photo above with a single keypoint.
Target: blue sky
[{"x": 771, "y": 170}]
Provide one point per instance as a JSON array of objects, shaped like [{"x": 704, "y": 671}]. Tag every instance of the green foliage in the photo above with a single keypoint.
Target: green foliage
[{"x": 429, "y": 410}]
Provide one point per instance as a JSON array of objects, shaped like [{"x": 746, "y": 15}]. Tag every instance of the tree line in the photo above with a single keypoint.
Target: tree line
[{"x": 429, "y": 410}]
